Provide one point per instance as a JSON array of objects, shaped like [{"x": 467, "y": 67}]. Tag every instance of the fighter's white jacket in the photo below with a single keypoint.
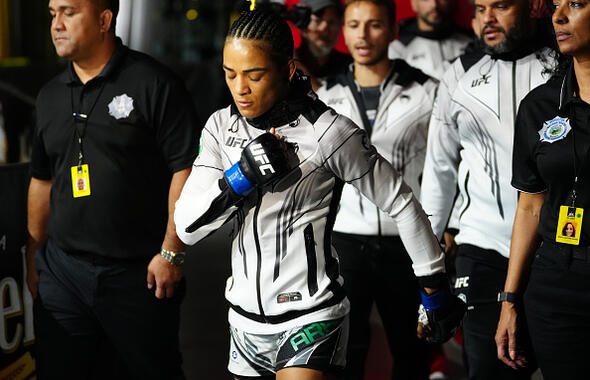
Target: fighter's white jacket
[
  {"x": 470, "y": 144},
  {"x": 398, "y": 133},
  {"x": 431, "y": 52},
  {"x": 284, "y": 270}
]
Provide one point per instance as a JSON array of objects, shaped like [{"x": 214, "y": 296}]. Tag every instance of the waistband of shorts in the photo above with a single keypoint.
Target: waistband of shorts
[
  {"x": 276, "y": 319},
  {"x": 570, "y": 252},
  {"x": 251, "y": 326}
]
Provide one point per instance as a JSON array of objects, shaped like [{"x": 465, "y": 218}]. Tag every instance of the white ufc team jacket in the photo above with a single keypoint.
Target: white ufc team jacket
[
  {"x": 470, "y": 144},
  {"x": 431, "y": 52},
  {"x": 398, "y": 133},
  {"x": 284, "y": 270}
]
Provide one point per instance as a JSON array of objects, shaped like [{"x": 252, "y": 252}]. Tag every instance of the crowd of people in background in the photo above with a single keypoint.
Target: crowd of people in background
[{"x": 435, "y": 173}]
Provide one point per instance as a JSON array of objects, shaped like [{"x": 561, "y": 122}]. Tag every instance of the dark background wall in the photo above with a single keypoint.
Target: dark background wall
[{"x": 190, "y": 43}]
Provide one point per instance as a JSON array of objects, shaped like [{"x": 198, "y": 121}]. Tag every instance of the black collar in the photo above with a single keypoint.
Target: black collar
[
  {"x": 525, "y": 48},
  {"x": 568, "y": 88},
  {"x": 400, "y": 73},
  {"x": 540, "y": 39},
  {"x": 349, "y": 79},
  {"x": 409, "y": 28},
  {"x": 286, "y": 111},
  {"x": 69, "y": 75}
]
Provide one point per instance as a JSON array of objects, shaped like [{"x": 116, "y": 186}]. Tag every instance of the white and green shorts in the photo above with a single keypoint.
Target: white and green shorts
[{"x": 319, "y": 345}]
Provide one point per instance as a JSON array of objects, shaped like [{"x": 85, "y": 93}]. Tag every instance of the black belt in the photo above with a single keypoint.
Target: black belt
[{"x": 573, "y": 252}]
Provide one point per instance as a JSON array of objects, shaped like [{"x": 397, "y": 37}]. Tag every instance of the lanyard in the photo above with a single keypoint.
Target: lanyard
[{"x": 81, "y": 120}]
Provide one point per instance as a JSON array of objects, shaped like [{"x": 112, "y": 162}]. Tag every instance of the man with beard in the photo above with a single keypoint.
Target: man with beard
[
  {"x": 392, "y": 101},
  {"x": 430, "y": 41},
  {"x": 470, "y": 146},
  {"x": 114, "y": 143},
  {"x": 316, "y": 55}
]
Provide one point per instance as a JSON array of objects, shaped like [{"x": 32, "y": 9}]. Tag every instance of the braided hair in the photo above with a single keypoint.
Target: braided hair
[{"x": 268, "y": 28}]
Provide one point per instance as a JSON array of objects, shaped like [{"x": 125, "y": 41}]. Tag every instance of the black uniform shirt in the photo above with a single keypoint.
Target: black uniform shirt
[
  {"x": 540, "y": 166},
  {"x": 141, "y": 128}
]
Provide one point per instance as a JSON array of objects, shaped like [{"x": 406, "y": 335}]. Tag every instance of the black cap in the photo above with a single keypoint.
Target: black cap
[{"x": 318, "y": 5}]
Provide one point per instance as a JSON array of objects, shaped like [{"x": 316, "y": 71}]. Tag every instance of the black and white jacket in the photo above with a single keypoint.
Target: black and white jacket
[
  {"x": 470, "y": 142},
  {"x": 284, "y": 269},
  {"x": 432, "y": 52},
  {"x": 398, "y": 133}
]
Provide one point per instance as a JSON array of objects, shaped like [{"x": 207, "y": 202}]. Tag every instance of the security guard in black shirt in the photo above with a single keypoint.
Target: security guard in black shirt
[
  {"x": 551, "y": 171},
  {"x": 114, "y": 144}
]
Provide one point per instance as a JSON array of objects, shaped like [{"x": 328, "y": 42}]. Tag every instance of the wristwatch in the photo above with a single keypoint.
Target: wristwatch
[
  {"x": 507, "y": 297},
  {"x": 174, "y": 258}
]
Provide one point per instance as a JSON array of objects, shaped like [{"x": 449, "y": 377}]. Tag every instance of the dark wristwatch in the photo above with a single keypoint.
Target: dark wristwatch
[
  {"x": 507, "y": 297},
  {"x": 174, "y": 258}
]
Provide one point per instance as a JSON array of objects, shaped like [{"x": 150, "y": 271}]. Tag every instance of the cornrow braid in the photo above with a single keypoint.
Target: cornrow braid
[{"x": 266, "y": 27}]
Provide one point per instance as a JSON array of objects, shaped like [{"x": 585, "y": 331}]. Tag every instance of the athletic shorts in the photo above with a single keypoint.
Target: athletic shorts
[{"x": 320, "y": 346}]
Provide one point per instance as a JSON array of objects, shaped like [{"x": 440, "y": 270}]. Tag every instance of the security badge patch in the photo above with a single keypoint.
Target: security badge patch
[
  {"x": 555, "y": 129},
  {"x": 121, "y": 106}
]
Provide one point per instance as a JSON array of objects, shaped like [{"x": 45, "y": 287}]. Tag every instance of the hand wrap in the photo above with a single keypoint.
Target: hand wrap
[{"x": 444, "y": 312}]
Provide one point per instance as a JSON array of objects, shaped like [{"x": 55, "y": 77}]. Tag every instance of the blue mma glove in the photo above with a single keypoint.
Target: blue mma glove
[
  {"x": 443, "y": 312},
  {"x": 264, "y": 160}
]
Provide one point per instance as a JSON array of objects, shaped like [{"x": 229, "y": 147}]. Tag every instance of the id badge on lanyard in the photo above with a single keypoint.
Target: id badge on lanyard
[
  {"x": 80, "y": 173},
  {"x": 569, "y": 225},
  {"x": 80, "y": 181}
]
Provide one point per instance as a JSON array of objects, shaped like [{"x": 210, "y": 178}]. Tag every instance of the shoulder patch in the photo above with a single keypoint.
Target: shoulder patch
[{"x": 555, "y": 129}]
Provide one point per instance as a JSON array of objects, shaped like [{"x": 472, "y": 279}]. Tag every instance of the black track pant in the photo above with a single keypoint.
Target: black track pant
[
  {"x": 557, "y": 302},
  {"x": 379, "y": 270},
  {"x": 480, "y": 276},
  {"x": 96, "y": 319}
]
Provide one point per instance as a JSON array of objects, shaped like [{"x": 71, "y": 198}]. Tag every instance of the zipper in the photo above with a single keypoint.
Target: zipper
[
  {"x": 258, "y": 251},
  {"x": 312, "y": 266},
  {"x": 442, "y": 54},
  {"x": 513, "y": 91},
  {"x": 468, "y": 200}
]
